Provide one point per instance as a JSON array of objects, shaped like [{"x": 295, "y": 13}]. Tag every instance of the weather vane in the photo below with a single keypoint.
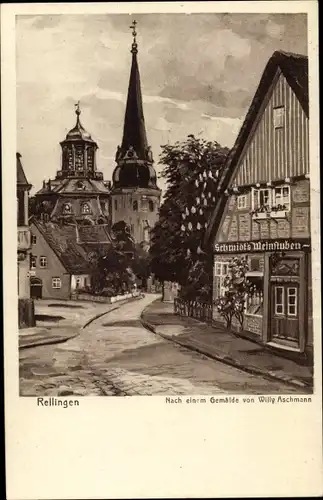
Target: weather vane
[{"x": 134, "y": 34}]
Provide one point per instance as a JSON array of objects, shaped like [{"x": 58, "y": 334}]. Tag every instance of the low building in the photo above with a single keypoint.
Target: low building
[
  {"x": 62, "y": 256},
  {"x": 25, "y": 303},
  {"x": 263, "y": 210}
]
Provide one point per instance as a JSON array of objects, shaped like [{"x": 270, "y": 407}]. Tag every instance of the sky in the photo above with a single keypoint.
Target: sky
[{"x": 199, "y": 73}]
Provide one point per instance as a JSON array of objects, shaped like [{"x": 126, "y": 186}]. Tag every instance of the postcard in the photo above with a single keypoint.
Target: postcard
[{"x": 162, "y": 254}]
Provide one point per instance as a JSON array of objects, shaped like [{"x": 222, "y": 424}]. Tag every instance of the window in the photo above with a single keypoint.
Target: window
[
  {"x": 80, "y": 185},
  {"x": 33, "y": 262},
  {"x": 86, "y": 209},
  {"x": 242, "y": 201},
  {"x": 33, "y": 239},
  {"x": 282, "y": 196},
  {"x": 151, "y": 205},
  {"x": 56, "y": 283},
  {"x": 221, "y": 271},
  {"x": 116, "y": 204},
  {"x": 279, "y": 115},
  {"x": 279, "y": 301},
  {"x": 67, "y": 209},
  {"x": 254, "y": 300},
  {"x": 261, "y": 198},
  {"x": 43, "y": 261},
  {"x": 291, "y": 301},
  {"x": 135, "y": 206}
]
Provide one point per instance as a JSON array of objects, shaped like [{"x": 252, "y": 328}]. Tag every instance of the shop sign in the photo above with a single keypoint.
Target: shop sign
[{"x": 279, "y": 245}]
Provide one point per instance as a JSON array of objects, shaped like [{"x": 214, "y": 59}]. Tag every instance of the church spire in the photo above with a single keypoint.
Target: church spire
[{"x": 134, "y": 132}]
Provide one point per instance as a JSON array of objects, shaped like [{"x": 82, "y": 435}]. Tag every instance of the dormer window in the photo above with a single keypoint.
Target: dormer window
[
  {"x": 80, "y": 185},
  {"x": 67, "y": 209},
  {"x": 279, "y": 117},
  {"x": 86, "y": 209}
]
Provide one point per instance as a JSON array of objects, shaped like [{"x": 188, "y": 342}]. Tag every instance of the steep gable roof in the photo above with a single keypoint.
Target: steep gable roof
[
  {"x": 295, "y": 69},
  {"x": 21, "y": 176},
  {"x": 70, "y": 243}
]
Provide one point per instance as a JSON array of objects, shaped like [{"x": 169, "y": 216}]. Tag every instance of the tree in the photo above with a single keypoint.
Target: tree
[
  {"x": 192, "y": 169},
  {"x": 112, "y": 271},
  {"x": 237, "y": 288},
  {"x": 141, "y": 264}
]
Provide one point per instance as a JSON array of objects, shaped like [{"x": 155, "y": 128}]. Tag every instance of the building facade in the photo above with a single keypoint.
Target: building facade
[
  {"x": 263, "y": 212},
  {"x": 62, "y": 256},
  {"x": 25, "y": 303},
  {"x": 135, "y": 196},
  {"x": 78, "y": 193}
]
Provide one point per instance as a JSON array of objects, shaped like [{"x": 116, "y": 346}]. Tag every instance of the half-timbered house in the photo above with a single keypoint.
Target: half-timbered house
[{"x": 263, "y": 209}]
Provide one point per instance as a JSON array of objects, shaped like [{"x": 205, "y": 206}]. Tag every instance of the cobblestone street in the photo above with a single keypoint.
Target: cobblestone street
[{"x": 116, "y": 355}]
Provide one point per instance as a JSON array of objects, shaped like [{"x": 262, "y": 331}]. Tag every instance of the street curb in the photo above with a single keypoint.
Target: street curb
[
  {"x": 126, "y": 301},
  {"x": 226, "y": 359},
  {"x": 48, "y": 342},
  {"x": 121, "y": 303},
  {"x": 98, "y": 316},
  {"x": 65, "y": 339}
]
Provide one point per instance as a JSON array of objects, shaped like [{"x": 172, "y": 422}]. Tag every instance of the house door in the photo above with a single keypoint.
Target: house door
[
  {"x": 36, "y": 288},
  {"x": 284, "y": 317}
]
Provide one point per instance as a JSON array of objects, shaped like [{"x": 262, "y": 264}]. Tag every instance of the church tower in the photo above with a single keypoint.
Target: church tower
[
  {"x": 78, "y": 194},
  {"x": 135, "y": 196}
]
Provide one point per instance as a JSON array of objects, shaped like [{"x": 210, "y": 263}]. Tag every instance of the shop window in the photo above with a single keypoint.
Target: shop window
[
  {"x": 135, "y": 206},
  {"x": 281, "y": 197},
  {"x": 242, "y": 201},
  {"x": 254, "y": 300},
  {"x": 43, "y": 261},
  {"x": 279, "y": 116},
  {"x": 221, "y": 272},
  {"x": 56, "y": 283}
]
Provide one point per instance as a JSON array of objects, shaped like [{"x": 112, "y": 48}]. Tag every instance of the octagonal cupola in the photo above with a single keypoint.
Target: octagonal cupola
[{"x": 78, "y": 151}]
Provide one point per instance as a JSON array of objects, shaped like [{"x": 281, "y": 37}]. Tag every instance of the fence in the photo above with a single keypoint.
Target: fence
[
  {"x": 100, "y": 298},
  {"x": 193, "y": 309}
]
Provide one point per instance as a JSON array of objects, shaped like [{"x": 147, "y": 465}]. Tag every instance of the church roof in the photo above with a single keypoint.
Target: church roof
[
  {"x": 294, "y": 67},
  {"x": 21, "y": 176},
  {"x": 134, "y": 131},
  {"x": 78, "y": 132},
  {"x": 72, "y": 243},
  {"x": 134, "y": 157},
  {"x": 75, "y": 186}
]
